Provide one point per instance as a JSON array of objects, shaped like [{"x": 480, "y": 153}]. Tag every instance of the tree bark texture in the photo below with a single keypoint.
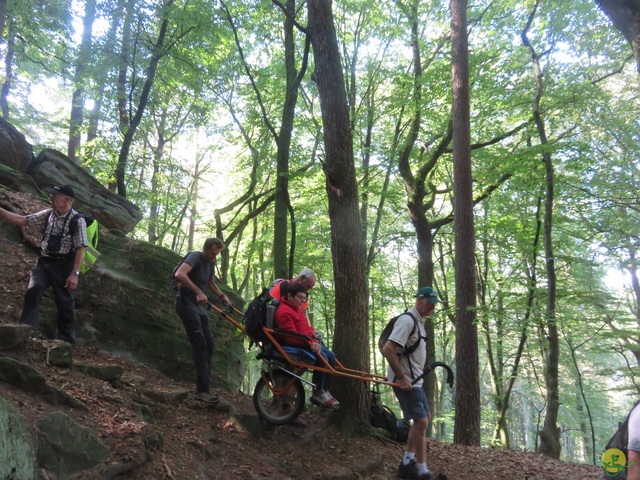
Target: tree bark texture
[
  {"x": 625, "y": 16},
  {"x": 467, "y": 417},
  {"x": 348, "y": 249}
]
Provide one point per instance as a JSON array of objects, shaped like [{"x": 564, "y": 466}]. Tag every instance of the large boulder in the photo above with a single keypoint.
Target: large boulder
[
  {"x": 110, "y": 209},
  {"x": 21, "y": 172},
  {"x": 125, "y": 305},
  {"x": 66, "y": 447},
  {"x": 18, "y": 450},
  {"x": 15, "y": 151}
]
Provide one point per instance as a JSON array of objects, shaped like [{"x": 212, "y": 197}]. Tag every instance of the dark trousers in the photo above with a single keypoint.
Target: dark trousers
[
  {"x": 54, "y": 273},
  {"x": 322, "y": 380},
  {"x": 196, "y": 324}
]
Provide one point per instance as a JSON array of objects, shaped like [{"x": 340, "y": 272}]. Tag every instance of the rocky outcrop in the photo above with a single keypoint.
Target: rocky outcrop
[
  {"x": 124, "y": 306},
  {"x": 66, "y": 447},
  {"x": 15, "y": 151},
  {"x": 23, "y": 376},
  {"x": 13, "y": 335},
  {"x": 111, "y": 210},
  {"x": 18, "y": 450},
  {"x": 21, "y": 172}
]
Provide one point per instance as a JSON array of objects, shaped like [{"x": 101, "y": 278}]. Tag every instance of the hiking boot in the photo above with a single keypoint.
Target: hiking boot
[
  {"x": 409, "y": 470},
  {"x": 207, "y": 397}
]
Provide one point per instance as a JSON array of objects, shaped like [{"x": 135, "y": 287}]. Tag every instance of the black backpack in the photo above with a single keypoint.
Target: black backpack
[
  {"x": 255, "y": 316},
  {"x": 384, "y": 336},
  {"x": 620, "y": 440},
  {"x": 175, "y": 284},
  {"x": 383, "y": 417}
]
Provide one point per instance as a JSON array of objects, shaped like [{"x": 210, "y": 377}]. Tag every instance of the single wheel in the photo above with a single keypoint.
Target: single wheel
[{"x": 278, "y": 397}]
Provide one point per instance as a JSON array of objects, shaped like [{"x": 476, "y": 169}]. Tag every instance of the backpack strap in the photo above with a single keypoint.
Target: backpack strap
[
  {"x": 409, "y": 350},
  {"x": 66, "y": 219}
]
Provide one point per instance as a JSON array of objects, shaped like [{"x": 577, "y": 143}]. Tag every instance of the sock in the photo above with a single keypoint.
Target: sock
[
  {"x": 408, "y": 456},
  {"x": 422, "y": 468}
]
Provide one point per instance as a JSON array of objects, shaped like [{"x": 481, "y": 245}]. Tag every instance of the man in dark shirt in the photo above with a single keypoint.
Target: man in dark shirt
[
  {"x": 194, "y": 275},
  {"x": 61, "y": 252}
]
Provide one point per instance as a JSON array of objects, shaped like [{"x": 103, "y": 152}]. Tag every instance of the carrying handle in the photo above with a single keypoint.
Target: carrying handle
[{"x": 432, "y": 367}]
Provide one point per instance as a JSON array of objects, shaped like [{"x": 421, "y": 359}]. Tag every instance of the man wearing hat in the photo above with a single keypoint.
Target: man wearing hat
[
  {"x": 403, "y": 369},
  {"x": 61, "y": 252}
]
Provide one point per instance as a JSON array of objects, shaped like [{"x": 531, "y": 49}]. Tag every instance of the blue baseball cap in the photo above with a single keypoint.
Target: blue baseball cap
[{"x": 429, "y": 293}]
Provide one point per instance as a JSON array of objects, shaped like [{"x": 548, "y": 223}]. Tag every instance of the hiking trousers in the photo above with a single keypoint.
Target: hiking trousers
[
  {"x": 51, "y": 272},
  {"x": 324, "y": 380},
  {"x": 196, "y": 324}
]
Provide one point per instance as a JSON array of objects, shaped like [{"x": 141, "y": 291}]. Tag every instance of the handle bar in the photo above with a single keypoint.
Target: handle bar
[{"x": 431, "y": 368}]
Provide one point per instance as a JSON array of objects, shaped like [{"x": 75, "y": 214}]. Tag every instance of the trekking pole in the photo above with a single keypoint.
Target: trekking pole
[{"x": 432, "y": 367}]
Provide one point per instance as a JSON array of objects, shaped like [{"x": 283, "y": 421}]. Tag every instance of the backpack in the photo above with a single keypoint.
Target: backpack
[
  {"x": 619, "y": 441},
  {"x": 173, "y": 281},
  {"x": 91, "y": 253},
  {"x": 383, "y": 417},
  {"x": 386, "y": 332},
  {"x": 255, "y": 316}
]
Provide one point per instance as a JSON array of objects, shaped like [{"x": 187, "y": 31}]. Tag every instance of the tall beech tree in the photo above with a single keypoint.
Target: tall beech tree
[
  {"x": 550, "y": 435},
  {"x": 467, "y": 422},
  {"x": 347, "y": 245}
]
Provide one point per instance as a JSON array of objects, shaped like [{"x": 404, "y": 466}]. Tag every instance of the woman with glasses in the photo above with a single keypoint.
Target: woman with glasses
[{"x": 290, "y": 316}]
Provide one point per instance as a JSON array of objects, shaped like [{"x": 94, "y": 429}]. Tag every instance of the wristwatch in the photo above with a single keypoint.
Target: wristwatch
[{"x": 77, "y": 272}]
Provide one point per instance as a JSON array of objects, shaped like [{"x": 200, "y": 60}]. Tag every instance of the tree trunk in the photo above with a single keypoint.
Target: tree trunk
[
  {"x": 283, "y": 140},
  {"x": 467, "y": 417},
  {"x": 77, "y": 100},
  {"x": 157, "y": 53},
  {"x": 625, "y": 16},
  {"x": 347, "y": 248},
  {"x": 531, "y": 271},
  {"x": 550, "y": 434},
  {"x": 3, "y": 17},
  {"x": 158, "y": 152},
  {"x": 8, "y": 73}
]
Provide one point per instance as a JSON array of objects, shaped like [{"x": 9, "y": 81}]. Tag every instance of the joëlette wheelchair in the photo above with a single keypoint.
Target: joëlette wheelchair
[{"x": 279, "y": 395}]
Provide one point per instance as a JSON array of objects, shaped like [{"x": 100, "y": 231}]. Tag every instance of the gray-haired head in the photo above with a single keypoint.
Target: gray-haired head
[{"x": 306, "y": 277}]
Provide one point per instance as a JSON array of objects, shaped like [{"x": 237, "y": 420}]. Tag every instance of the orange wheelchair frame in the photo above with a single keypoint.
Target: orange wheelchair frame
[{"x": 279, "y": 396}]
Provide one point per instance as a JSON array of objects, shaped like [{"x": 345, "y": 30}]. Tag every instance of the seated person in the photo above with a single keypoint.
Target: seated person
[{"x": 290, "y": 316}]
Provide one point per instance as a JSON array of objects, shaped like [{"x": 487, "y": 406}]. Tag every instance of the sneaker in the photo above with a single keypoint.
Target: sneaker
[
  {"x": 332, "y": 403},
  {"x": 408, "y": 470},
  {"x": 207, "y": 397},
  {"x": 425, "y": 476},
  {"x": 325, "y": 400}
]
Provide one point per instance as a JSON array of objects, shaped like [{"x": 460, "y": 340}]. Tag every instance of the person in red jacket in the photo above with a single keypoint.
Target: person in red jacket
[{"x": 290, "y": 316}]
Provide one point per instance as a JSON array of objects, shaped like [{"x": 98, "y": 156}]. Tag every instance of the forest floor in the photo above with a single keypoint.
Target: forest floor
[{"x": 194, "y": 441}]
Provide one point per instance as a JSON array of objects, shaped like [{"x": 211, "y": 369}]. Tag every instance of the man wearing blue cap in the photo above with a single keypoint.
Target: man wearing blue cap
[
  {"x": 62, "y": 247},
  {"x": 403, "y": 369}
]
